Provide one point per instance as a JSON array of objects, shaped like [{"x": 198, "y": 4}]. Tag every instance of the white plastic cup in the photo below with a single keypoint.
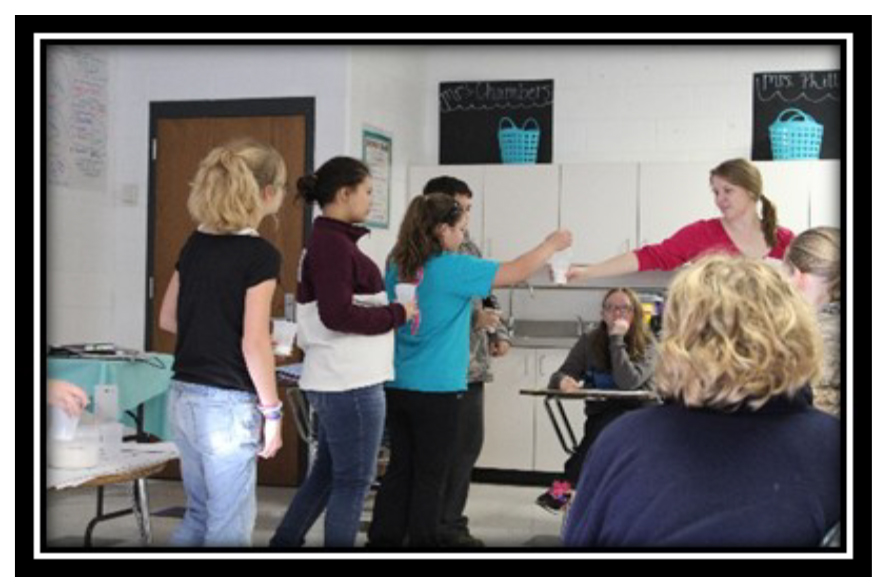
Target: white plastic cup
[
  {"x": 62, "y": 426},
  {"x": 283, "y": 336},
  {"x": 559, "y": 263},
  {"x": 405, "y": 293}
]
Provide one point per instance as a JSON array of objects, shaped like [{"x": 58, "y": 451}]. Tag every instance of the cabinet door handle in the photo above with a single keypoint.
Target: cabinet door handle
[{"x": 541, "y": 359}]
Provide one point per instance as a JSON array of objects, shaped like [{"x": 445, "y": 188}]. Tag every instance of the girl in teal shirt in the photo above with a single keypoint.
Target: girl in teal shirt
[{"x": 430, "y": 361}]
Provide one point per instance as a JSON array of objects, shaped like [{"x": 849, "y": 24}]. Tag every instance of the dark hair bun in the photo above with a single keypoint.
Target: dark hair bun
[
  {"x": 307, "y": 187},
  {"x": 338, "y": 172}
]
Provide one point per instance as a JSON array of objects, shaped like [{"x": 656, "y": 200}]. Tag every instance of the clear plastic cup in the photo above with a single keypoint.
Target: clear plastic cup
[
  {"x": 283, "y": 336},
  {"x": 405, "y": 293},
  {"x": 81, "y": 451},
  {"x": 62, "y": 426}
]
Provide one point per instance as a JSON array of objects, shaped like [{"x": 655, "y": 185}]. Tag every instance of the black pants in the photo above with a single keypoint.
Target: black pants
[
  {"x": 467, "y": 448},
  {"x": 598, "y": 416},
  {"x": 422, "y": 429}
]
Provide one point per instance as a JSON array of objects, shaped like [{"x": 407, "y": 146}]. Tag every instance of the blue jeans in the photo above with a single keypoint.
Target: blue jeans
[
  {"x": 350, "y": 427},
  {"x": 217, "y": 433}
]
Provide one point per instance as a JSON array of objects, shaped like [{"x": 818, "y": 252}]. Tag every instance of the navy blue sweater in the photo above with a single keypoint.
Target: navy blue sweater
[{"x": 669, "y": 476}]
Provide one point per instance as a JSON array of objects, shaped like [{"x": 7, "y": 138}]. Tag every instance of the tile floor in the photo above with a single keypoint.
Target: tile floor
[{"x": 500, "y": 515}]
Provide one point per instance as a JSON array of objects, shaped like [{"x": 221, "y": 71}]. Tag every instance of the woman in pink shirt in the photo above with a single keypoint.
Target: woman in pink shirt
[{"x": 737, "y": 187}]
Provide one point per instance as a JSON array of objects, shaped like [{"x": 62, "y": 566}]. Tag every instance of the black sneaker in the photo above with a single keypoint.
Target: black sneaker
[{"x": 462, "y": 540}]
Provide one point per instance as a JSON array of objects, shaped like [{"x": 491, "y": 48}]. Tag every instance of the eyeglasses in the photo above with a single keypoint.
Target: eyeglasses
[{"x": 622, "y": 308}]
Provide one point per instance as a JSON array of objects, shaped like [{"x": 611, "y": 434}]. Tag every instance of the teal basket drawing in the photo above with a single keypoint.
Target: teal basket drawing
[
  {"x": 518, "y": 145},
  {"x": 795, "y": 135}
]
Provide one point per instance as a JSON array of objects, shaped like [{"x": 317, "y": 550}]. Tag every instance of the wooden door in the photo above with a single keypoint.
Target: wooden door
[{"x": 180, "y": 143}]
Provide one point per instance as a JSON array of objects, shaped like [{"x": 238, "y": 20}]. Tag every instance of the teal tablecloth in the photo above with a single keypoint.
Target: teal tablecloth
[{"x": 138, "y": 382}]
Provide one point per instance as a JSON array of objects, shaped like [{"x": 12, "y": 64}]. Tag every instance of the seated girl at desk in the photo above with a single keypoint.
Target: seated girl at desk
[{"x": 616, "y": 355}]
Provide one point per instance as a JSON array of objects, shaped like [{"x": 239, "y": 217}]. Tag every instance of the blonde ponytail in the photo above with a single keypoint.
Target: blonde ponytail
[{"x": 226, "y": 193}]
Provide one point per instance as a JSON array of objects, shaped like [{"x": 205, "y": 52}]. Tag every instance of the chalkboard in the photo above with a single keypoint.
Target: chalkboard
[
  {"x": 816, "y": 93},
  {"x": 470, "y": 114}
]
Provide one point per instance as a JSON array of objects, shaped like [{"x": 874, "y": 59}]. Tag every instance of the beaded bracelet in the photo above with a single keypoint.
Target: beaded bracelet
[{"x": 272, "y": 413}]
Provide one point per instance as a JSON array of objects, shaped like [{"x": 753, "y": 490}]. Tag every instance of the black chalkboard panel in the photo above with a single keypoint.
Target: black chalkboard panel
[
  {"x": 817, "y": 93},
  {"x": 470, "y": 114}
]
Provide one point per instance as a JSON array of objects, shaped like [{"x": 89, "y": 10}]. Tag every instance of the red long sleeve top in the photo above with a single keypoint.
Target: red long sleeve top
[{"x": 697, "y": 239}]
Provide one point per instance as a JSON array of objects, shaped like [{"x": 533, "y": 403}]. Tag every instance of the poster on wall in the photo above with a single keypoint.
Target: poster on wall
[
  {"x": 76, "y": 118},
  {"x": 797, "y": 115},
  {"x": 378, "y": 155},
  {"x": 496, "y": 122}
]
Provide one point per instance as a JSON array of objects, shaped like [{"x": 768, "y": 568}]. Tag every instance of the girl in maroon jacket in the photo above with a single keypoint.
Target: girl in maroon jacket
[{"x": 345, "y": 328}]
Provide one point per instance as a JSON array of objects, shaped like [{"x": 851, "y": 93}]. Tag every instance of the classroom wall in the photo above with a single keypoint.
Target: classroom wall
[
  {"x": 626, "y": 103},
  {"x": 96, "y": 242},
  {"x": 634, "y": 103},
  {"x": 387, "y": 88},
  {"x": 612, "y": 103}
]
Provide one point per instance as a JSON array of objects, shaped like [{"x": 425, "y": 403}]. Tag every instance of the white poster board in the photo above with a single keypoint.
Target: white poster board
[
  {"x": 378, "y": 155},
  {"x": 76, "y": 118}
]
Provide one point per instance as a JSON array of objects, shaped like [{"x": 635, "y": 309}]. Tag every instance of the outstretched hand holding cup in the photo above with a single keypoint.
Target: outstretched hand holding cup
[{"x": 559, "y": 265}]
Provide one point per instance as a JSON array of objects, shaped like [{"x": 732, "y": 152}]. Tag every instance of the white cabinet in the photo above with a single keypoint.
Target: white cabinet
[
  {"x": 521, "y": 208},
  {"x": 807, "y": 193},
  {"x": 473, "y": 175},
  {"x": 787, "y": 185},
  {"x": 672, "y": 195},
  {"x": 598, "y": 203},
  {"x": 549, "y": 454},
  {"x": 615, "y": 207},
  {"x": 518, "y": 432},
  {"x": 825, "y": 191},
  {"x": 509, "y": 417}
]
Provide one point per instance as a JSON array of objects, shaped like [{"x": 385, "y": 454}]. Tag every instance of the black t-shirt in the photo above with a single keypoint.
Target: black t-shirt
[{"x": 214, "y": 273}]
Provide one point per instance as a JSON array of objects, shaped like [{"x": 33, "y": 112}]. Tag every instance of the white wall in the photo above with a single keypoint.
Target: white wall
[
  {"x": 387, "y": 90},
  {"x": 97, "y": 245},
  {"x": 612, "y": 103},
  {"x": 633, "y": 103}
]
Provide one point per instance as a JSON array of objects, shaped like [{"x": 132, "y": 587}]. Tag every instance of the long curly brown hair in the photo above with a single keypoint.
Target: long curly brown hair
[
  {"x": 637, "y": 338},
  {"x": 417, "y": 240}
]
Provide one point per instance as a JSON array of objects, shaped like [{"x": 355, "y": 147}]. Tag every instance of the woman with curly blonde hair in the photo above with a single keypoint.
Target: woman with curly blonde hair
[{"x": 725, "y": 462}]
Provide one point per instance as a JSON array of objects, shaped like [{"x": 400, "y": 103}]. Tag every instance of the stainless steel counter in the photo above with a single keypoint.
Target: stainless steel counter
[{"x": 544, "y": 342}]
